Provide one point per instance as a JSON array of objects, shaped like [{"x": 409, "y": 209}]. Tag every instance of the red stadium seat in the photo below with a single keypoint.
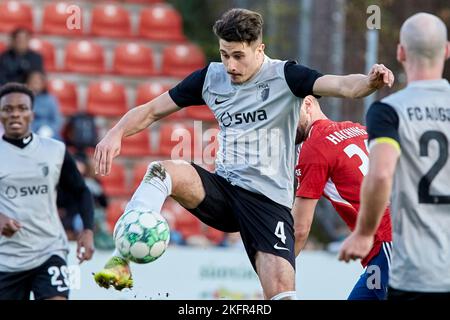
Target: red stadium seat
[
  {"x": 161, "y": 23},
  {"x": 180, "y": 60},
  {"x": 66, "y": 93},
  {"x": 56, "y": 17},
  {"x": 188, "y": 225},
  {"x": 110, "y": 20},
  {"x": 106, "y": 98},
  {"x": 137, "y": 145},
  {"x": 134, "y": 59},
  {"x": 15, "y": 14},
  {"x": 114, "y": 184},
  {"x": 148, "y": 91},
  {"x": 214, "y": 235},
  {"x": 47, "y": 51},
  {"x": 203, "y": 113},
  {"x": 139, "y": 171},
  {"x": 114, "y": 212},
  {"x": 181, "y": 220},
  {"x": 85, "y": 57},
  {"x": 183, "y": 136}
]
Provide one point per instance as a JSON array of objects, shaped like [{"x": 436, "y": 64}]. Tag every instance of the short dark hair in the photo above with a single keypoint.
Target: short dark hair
[
  {"x": 239, "y": 25},
  {"x": 16, "y": 32},
  {"x": 13, "y": 87}
]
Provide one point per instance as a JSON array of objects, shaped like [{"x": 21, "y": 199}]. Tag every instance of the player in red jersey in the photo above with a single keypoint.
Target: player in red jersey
[{"x": 332, "y": 162}]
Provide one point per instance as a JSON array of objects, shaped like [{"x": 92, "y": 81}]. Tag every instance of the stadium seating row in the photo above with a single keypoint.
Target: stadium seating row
[
  {"x": 156, "y": 22},
  {"x": 108, "y": 99},
  {"x": 130, "y": 59}
]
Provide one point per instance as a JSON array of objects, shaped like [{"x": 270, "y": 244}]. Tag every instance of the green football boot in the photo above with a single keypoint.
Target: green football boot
[{"x": 116, "y": 273}]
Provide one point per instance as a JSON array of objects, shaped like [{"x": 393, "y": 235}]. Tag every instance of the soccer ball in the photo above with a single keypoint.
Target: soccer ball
[{"x": 141, "y": 236}]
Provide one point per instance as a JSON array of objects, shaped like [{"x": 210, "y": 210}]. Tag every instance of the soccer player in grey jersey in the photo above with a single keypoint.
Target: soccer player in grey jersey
[
  {"x": 409, "y": 135},
  {"x": 33, "y": 243},
  {"x": 255, "y": 100}
]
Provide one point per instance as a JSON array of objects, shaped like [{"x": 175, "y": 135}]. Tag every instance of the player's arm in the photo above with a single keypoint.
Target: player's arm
[
  {"x": 354, "y": 85},
  {"x": 303, "y": 212},
  {"x": 314, "y": 173},
  {"x": 186, "y": 93},
  {"x": 72, "y": 182},
  {"x": 382, "y": 126}
]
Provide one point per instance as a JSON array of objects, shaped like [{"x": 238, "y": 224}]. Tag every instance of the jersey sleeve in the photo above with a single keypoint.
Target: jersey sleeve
[
  {"x": 300, "y": 79},
  {"x": 189, "y": 91},
  {"x": 312, "y": 171},
  {"x": 72, "y": 182},
  {"x": 382, "y": 124}
]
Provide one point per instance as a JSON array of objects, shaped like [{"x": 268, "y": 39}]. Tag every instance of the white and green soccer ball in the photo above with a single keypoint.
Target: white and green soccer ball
[{"x": 141, "y": 236}]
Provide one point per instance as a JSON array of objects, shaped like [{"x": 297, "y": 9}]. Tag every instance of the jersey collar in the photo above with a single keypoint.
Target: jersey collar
[
  {"x": 20, "y": 143},
  {"x": 429, "y": 83}
]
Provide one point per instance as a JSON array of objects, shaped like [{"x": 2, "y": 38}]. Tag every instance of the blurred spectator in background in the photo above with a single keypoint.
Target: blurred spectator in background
[
  {"x": 18, "y": 60},
  {"x": 47, "y": 117},
  {"x": 80, "y": 132}
]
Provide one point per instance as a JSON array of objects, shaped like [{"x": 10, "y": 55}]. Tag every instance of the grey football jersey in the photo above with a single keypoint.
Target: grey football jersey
[
  {"x": 257, "y": 121},
  {"x": 421, "y": 191},
  {"x": 28, "y": 181}
]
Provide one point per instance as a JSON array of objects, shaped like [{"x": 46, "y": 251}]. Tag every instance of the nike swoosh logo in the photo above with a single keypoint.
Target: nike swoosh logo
[
  {"x": 280, "y": 248},
  {"x": 26, "y": 140},
  {"x": 221, "y": 101}
]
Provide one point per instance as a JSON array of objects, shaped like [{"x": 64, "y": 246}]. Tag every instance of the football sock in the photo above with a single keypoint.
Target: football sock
[
  {"x": 287, "y": 295},
  {"x": 155, "y": 187}
]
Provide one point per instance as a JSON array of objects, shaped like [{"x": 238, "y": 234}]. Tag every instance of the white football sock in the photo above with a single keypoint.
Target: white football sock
[
  {"x": 155, "y": 187},
  {"x": 287, "y": 295}
]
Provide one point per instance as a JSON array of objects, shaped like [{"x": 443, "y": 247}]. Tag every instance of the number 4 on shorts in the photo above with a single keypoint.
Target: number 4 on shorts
[{"x": 279, "y": 231}]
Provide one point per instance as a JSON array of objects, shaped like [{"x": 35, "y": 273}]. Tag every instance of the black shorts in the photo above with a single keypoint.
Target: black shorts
[
  {"x": 46, "y": 281},
  {"x": 264, "y": 225},
  {"x": 395, "y": 294}
]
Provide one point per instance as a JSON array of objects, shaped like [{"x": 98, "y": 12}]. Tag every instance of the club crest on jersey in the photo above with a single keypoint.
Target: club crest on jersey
[
  {"x": 263, "y": 91},
  {"x": 44, "y": 169}
]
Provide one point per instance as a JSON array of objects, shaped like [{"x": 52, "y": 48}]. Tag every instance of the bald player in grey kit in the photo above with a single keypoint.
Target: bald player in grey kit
[{"x": 409, "y": 134}]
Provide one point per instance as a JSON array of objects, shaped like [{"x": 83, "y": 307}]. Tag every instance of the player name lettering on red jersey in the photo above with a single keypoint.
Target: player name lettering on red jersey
[{"x": 342, "y": 135}]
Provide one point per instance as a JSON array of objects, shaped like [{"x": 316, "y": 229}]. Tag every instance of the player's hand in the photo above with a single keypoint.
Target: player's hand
[
  {"x": 356, "y": 246},
  {"x": 105, "y": 151},
  {"x": 380, "y": 76},
  {"x": 85, "y": 245},
  {"x": 8, "y": 226}
]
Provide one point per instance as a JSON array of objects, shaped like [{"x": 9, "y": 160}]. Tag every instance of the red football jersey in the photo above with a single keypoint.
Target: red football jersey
[{"x": 333, "y": 161}]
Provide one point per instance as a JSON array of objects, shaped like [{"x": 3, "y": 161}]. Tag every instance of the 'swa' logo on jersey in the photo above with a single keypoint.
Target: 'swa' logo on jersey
[
  {"x": 242, "y": 117},
  {"x": 263, "y": 91}
]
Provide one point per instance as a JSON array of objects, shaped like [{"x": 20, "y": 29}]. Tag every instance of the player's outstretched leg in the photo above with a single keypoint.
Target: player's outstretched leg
[{"x": 162, "y": 179}]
